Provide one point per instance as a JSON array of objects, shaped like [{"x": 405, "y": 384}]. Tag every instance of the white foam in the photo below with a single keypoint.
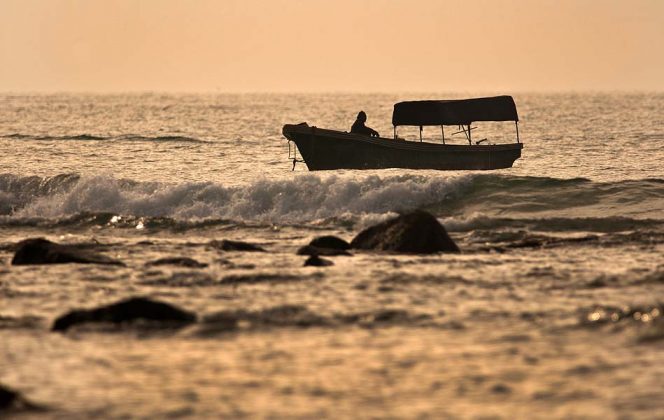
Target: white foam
[{"x": 304, "y": 198}]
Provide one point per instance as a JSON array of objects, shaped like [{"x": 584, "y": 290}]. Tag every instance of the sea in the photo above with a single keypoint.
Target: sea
[{"x": 553, "y": 309}]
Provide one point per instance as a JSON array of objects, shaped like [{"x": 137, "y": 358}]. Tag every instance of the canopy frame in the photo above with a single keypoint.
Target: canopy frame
[{"x": 461, "y": 112}]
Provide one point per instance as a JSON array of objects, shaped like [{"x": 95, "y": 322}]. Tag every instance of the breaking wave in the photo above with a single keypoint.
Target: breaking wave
[{"x": 466, "y": 202}]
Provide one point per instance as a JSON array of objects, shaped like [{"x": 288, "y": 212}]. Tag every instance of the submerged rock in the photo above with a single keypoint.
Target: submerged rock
[
  {"x": 43, "y": 251},
  {"x": 330, "y": 242},
  {"x": 12, "y": 400},
  {"x": 180, "y": 261},
  {"x": 124, "y": 311},
  {"x": 325, "y": 245},
  {"x": 418, "y": 232},
  {"x": 8, "y": 397},
  {"x": 227, "y": 245},
  {"x": 313, "y": 250},
  {"x": 316, "y": 261}
]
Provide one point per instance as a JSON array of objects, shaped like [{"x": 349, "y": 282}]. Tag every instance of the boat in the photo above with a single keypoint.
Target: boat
[{"x": 323, "y": 149}]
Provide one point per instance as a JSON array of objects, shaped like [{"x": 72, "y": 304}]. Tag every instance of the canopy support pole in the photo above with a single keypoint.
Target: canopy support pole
[
  {"x": 469, "y": 140},
  {"x": 395, "y": 132},
  {"x": 420, "y": 134},
  {"x": 442, "y": 130},
  {"x": 516, "y": 124}
]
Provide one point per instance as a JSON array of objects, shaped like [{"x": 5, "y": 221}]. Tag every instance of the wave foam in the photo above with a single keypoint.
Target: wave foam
[
  {"x": 470, "y": 201},
  {"x": 304, "y": 198}
]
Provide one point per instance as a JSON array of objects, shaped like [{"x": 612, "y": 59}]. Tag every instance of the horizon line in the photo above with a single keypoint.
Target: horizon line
[{"x": 319, "y": 92}]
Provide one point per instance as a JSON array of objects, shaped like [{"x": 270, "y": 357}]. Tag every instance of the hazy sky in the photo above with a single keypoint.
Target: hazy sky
[{"x": 339, "y": 45}]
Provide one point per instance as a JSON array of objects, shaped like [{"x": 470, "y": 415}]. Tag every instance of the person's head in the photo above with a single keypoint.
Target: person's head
[{"x": 361, "y": 116}]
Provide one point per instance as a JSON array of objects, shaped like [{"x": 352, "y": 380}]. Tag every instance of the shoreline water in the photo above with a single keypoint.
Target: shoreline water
[{"x": 552, "y": 309}]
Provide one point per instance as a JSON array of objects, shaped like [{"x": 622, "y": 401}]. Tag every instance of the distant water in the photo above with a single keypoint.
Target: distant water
[{"x": 539, "y": 311}]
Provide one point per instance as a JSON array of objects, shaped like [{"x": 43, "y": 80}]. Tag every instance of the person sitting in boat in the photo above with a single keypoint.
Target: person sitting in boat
[{"x": 359, "y": 127}]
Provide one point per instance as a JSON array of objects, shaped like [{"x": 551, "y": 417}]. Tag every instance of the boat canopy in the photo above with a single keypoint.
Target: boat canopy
[{"x": 455, "y": 111}]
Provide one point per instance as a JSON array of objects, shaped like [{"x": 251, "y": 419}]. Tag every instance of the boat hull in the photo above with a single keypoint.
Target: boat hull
[{"x": 328, "y": 149}]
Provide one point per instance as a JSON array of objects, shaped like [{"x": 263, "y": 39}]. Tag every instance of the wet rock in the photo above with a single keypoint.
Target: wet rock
[
  {"x": 328, "y": 252},
  {"x": 325, "y": 245},
  {"x": 125, "y": 311},
  {"x": 500, "y": 388},
  {"x": 330, "y": 242},
  {"x": 11, "y": 400},
  {"x": 8, "y": 397},
  {"x": 414, "y": 233},
  {"x": 316, "y": 261},
  {"x": 227, "y": 245},
  {"x": 179, "y": 261},
  {"x": 42, "y": 251}
]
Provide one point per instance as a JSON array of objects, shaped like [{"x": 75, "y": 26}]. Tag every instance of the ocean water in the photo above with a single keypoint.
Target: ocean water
[{"x": 552, "y": 310}]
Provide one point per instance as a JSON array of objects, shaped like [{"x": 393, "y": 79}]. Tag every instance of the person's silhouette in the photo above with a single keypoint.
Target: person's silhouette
[{"x": 359, "y": 127}]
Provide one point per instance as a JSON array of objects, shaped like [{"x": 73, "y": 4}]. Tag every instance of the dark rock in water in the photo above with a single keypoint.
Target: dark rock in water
[
  {"x": 11, "y": 400},
  {"x": 180, "y": 261},
  {"x": 124, "y": 311},
  {"x": 316, "y": 261},
  {"x": 227, "y": 245},
  {"x": 314, "y": 250},
  {"x": 501, "y": 389},
  {"x": 7, "y": 397},
  {"x": 330, "y": 242},
  {"x": 325, "y": 245},
  {"x": 414, "y": 233},
  {"x": 43, "y": 251}
]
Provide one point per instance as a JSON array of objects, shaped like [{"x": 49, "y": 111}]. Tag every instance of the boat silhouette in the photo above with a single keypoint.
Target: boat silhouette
[{"x": 323, "y": 149}]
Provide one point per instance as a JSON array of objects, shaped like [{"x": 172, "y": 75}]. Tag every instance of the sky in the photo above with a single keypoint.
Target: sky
[{"x": 331, "y": 46}]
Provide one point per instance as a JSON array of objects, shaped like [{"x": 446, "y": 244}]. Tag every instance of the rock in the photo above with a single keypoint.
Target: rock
[
  {"x": 325, "y": 245},
  {"x": 418, "y": 232},
  {"x": 180, "y": 261},
  {"x": 8, "y": 398},
  {"x": 330, "y": 242},
  {"x": 316, "y": 261},
  {"x": 501, "y": 389},
  {"x": 12, "y": 400},
  {"x": 313, "y": 250},
  {"x": 124, "y": 311},
  {"x": 227, "y": 245},
  {"x": 42, "y": 251}
]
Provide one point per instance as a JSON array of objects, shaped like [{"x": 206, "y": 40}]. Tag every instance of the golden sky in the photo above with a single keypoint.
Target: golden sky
[{"x": 336, "y": 45}]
